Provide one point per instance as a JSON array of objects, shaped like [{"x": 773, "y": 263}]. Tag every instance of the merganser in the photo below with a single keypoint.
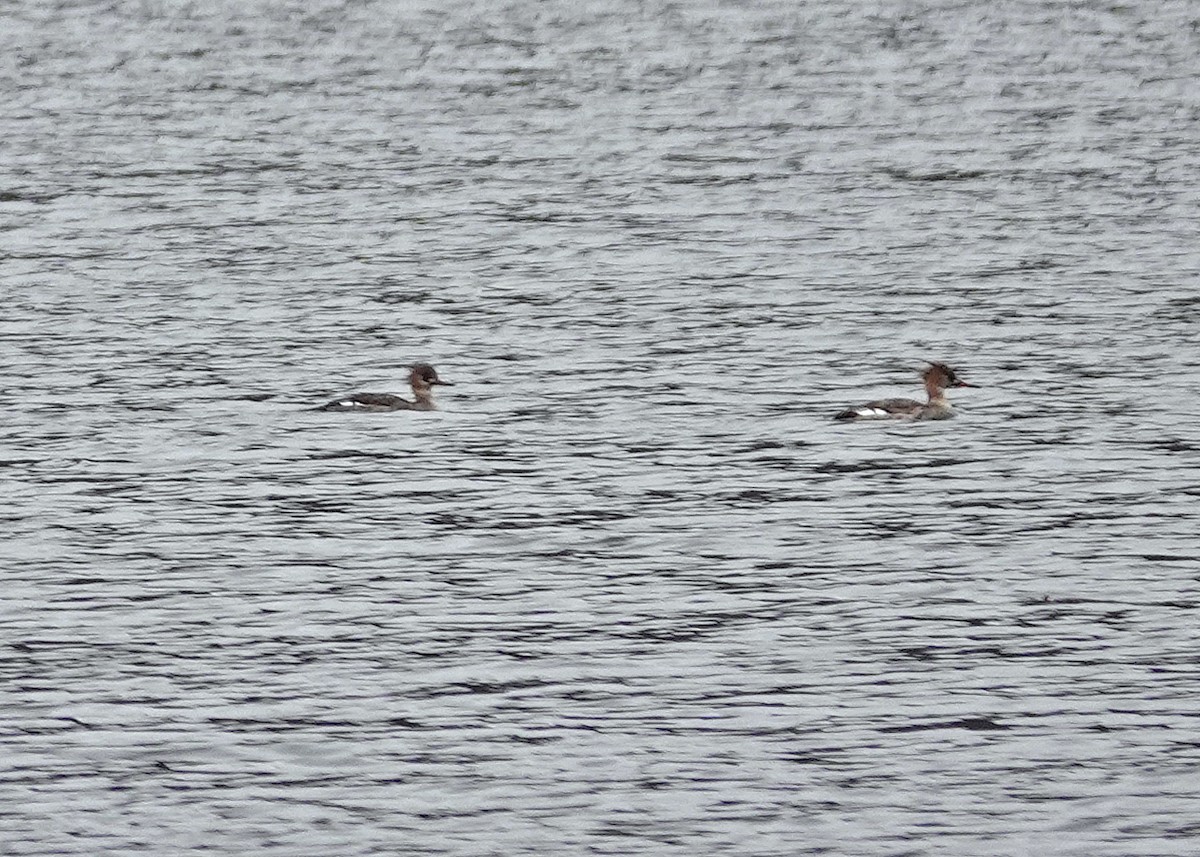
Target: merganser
[
  {"x": 421, "y": 378},
  {"x": 937, "y": 377}
]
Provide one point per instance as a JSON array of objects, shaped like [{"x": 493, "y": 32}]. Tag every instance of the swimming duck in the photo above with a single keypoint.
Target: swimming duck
[
  {"x": 938, "y": 377},
  {"x": 422, "y": 379}
]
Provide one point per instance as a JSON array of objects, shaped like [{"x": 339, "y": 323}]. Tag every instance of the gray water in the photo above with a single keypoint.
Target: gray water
[{"x": 630, "y": 591}]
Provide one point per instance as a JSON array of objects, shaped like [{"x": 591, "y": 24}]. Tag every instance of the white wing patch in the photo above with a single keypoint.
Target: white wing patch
[{"x": 872, "y": 413}]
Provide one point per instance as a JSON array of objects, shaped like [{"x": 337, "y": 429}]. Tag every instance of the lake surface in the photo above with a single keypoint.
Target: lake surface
[{"x": 631, "y": 590}]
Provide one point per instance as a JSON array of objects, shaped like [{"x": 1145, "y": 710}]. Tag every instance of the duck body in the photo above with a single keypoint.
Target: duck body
[
  {"x": 377, "y": 402},
  {"x": 422, "y": 378}
]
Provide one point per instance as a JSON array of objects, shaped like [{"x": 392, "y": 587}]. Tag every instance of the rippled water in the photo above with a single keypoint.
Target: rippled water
[{"x": 631, "y": 590}]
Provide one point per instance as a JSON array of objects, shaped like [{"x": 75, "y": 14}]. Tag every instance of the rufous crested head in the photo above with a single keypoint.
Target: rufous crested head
[
  {"x": 424, "y": 375},
  {"x": 942, "y": 377}
]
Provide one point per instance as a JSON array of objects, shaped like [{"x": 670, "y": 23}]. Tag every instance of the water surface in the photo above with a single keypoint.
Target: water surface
[{"x": 631, "y": 590}]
